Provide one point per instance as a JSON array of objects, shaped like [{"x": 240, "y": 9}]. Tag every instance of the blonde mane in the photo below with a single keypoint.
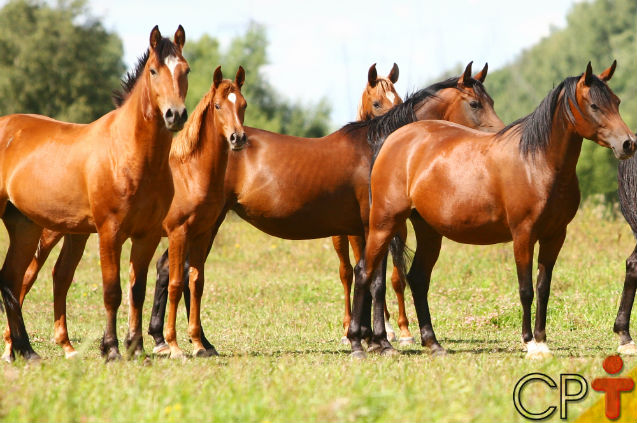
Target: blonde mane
[{"x": 186, "y": 142}]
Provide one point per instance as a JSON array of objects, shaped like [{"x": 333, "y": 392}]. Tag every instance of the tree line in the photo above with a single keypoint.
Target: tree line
[{"x": 61, "y": 62}]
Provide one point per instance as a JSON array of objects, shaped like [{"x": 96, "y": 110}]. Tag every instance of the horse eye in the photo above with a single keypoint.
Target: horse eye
[
  {"x": 376, "y": 104},
  {"x": 217, "y": 106},
  {"x": 187, "y": 71},
  {"x": 594, "y": 107},
  {"x": 153, "y": 72},
  {"x": 475, "y": 104}
]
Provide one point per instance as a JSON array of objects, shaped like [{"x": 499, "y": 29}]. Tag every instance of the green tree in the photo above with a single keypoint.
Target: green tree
[
  {"x": 599, "y": 31},
  {"x": 57, "y": 61},
  {"x": 267, "y": 109}
]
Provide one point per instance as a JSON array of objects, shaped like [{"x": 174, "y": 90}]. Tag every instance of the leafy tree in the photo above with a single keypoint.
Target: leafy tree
[
  {"x": 267, "y": 109},
  {"x": 57, "y": 61},
  {"x": 599, "y": 31}
]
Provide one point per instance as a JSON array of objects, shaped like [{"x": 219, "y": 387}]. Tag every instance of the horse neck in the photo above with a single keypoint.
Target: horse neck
[
  {"x": 142, "y": 134},
  {"x": 432, "y": 108},
  {"x": 211, "y": 157},
  {"x": 564, "y": 147}
]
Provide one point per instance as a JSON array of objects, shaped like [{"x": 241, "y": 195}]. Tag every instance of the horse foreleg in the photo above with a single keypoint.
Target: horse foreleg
[
  {"x": 158, "y": 312},
  {"x": 176, "y": 258},
  {"x": 69, "y": 258},
  {"x": 142, "y": 251},
  {"x": 523, "y": 252},
  {"x": 549, "y": 250},
  {"x": 398, "y": 283},
  {"x": 622, "y": 322},
  {"x": 110, "y": 246},
  {"x": 198, "y": 254}
]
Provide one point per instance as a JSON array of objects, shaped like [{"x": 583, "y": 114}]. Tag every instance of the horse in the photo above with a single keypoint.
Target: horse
[
  {"x": 378, "y": 97},
  {"x": 476, "y": 188},
  {"x": 110, "y": 176},
  {"x": 627, "y": 191},
  {"x": 197, "y": 163},
  {"x": 308, "y": 188}
]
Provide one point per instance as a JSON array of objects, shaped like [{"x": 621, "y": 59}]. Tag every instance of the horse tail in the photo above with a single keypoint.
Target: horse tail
[
  {"x": 627, "y": 191},
  {"x": 401, "y": 255}
]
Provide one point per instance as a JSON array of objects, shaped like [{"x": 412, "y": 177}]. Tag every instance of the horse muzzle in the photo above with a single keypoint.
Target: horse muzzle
[
  {"x": 175, "y": 118},
  {"x": 238, "y": 140}
]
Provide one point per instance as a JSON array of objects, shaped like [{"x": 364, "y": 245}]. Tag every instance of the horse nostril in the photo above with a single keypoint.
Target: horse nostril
[
  {"x": 184, "y": 116},
  {"x": 233, "y": 137},
  {"x": 629, "y": 146},
  {"x": 169, "y": 113},
  {"x": 244, "y": 137}
]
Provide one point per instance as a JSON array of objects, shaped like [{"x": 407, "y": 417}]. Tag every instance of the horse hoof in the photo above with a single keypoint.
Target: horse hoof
[
  {"x": 404, "y": 341},
  {"x": 391, "y": 336},
  {"x": 7, "y": 358},
  {"x": 205, "y": 353},
  {"x": 161, "y": 349},
  {"x": 345, "y": 340},
  {"x": 70, "y": 355},
  {"x": 389, "y": 352},
  {"x": 438, "y": 352},
  {"x": 358, "y": 355},
  {"x": 628, "y": 349},
  {"x": 373, "y": 348},
  {"x": 177, "y": 355},
  {"x": 537, "y": 351},
  {"x": 113, "y": 356}
]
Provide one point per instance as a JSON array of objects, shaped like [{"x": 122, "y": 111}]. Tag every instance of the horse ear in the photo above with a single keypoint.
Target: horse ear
[
  {"x": 608, "y": 73},
  {"x": 180, "y": 37},
  {"x": 482, "y": 75},
  {"x": 155, "y": 37},
  {"x": 588, "y": 75},
  {"x": 241, "y": 77},
  {"x": 466, "y": 79},
  {"x": 393, "y": 74},
  {"x": 372, "y": 75},
  {"x": 217, "y": 77}
]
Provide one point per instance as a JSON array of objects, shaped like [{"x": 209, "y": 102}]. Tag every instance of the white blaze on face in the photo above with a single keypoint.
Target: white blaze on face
[
  {"x": 232, "y": 97},
  {"x": 390, "y": 96},
  {"x": 172, "y": 62}
]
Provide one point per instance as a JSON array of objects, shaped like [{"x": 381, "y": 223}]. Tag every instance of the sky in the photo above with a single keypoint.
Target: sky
[{"x": 323, "y": 49}]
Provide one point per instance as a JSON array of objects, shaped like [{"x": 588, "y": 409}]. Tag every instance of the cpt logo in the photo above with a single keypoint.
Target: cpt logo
[{"x": 611, "y": 387}]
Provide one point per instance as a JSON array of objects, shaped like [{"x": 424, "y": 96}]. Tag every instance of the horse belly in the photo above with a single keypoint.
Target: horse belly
[{"x": 308, "y": 222}]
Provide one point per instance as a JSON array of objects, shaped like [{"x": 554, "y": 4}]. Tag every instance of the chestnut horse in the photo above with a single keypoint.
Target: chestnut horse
[
  {"x": 379, "y": 96},
  {"x": 110, "y": 177},
  {"x": 477, "y": 188},
  {"x": 303, "y": 188},
  {"x": 198, "y": 162}
]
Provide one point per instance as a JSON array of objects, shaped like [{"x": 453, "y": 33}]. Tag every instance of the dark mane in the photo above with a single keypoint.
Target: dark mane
[
  {"x": 164, "y": 49},
  {"x": 380, "y": 127},
  {"x": 535, "y": 128}
]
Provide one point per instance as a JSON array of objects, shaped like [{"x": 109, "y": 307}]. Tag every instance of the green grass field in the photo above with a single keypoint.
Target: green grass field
[{"x": 273, "y": 309}]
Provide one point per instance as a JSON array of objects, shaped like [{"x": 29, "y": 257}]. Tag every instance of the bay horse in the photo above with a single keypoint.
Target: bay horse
[
  {"x": 477, "y": 188},
  {"x": 378, "y": 97},
  {"x": 627, "y": 190},
  {"x": 307, "y": 188},
  {"x": 110, "y": 177},
  {"x": 197, "y": 162}
]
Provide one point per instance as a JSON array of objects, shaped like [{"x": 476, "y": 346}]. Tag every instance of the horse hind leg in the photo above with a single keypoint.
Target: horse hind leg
[
  {"x": 622, "y": 322},
  {"x": 63, "y": 272},
  {"x": 419, "y": 279},
  {"x": 346, "y": 273},
  {"x": 399, "y": 282},
  {"x": 23, "y": 242}
]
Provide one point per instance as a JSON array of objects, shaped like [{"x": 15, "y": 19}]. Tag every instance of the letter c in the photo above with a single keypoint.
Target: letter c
[{"x": 517, "y": 396}]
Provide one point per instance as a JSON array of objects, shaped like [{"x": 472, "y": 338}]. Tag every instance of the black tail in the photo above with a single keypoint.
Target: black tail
[
  {"x": 401, "y": 255},
  {"x": 627, "y": 191}
]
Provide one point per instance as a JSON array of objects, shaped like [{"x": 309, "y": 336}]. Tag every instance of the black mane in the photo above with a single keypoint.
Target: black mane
[
  {"x": 536, "y": 127},
  {"x": 164, "y": 49},
  {"x": 379, "y": 128}
]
